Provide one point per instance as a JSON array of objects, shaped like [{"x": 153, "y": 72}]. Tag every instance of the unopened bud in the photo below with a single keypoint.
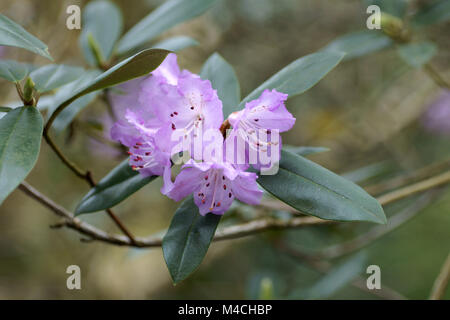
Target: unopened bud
[
  {"x": 95, "y": 49},
  {"x": 394, "y": 27},
  {"x": 28, "y": 90}
]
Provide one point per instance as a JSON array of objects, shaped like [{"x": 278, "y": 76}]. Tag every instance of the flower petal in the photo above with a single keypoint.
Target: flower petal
[{"x": 246, "y": 189}]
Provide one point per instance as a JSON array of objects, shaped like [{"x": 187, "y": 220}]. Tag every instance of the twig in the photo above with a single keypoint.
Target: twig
[
  {"x": 399, "y": 181},
  {"x": 389, "y": 197},
  {"x": 72, "y": 166},
  {"x": 433, "y": 182},
  {"x": 230, "y": 232},
  {"x": 87, "y": 176},
  {"x": 435, "y": 76},
  {"x": 94, "y": 233},
  {"x": 441, "y": 282}
]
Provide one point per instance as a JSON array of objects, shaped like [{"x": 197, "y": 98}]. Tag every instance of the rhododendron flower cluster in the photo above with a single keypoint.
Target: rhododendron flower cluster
[{"x": 159, "y": 110}]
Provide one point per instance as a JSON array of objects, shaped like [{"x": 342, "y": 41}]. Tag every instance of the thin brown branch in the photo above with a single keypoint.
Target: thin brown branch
[
  {"x": 436, "y": 76},
  {"x": 389, "y": 197},
  {"x": 94, "y": 233},
  {"x": 242, "y": 230},
  {"x": 87, "y": 176},
  {"x": 427, "y": 184},
  {"x": 409, "y": 178},
  {"x": 441, "y": 282},
  {"x": 83, "y": 174}
]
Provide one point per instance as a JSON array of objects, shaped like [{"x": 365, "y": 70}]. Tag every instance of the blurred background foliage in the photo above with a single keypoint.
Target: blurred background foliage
[{"x": 371, "y": 112}]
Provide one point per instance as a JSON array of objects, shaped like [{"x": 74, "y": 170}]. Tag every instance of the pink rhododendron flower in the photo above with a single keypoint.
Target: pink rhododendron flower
[
  {"x": 215, "y": 185},
  {"x": 255, "y": 124},
  {"x": 171, "y": 103}
]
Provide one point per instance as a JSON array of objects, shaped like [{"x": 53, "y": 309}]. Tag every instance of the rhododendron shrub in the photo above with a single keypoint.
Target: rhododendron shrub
[{"x": 218, "y": 154}]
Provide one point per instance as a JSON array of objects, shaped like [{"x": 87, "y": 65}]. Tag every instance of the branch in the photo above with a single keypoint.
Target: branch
[
  {"x": 389, "y": 197},
  {"x": 85, "y": 175},
  {"x": 94, "y": 233},
  {"x": 232, "y": 232},
  {"x": 436, "y": 77},
  {"x": 430, "y": 183},
  {"x": 441, "y": 282},
  {"x": 412, "y": 177}
]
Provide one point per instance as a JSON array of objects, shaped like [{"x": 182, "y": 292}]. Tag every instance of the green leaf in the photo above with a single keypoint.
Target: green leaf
[
  {"x": 314, "y": 190},
  {"x": 71, "y": 111},
  {"x": 437, "y": 12},
  {"x": 417, "y": 54},
  {"x": 360, "y": 43},
  {"x": 304, "y": 151},
  {"x": 367, "y": 172},
  {"x": 52, "y": 76},
  {"x": 5, "y": 109},
  {"x": 169, "y": 14},
  {"x": 224, "y": 80},
  {"x": 20, "y": 141},
  {"x": 187, "y": 240},
  {"x": 116, "y": 186},
  {"x": 300, "y": 75},
  {"x": 176, "y": 43},
  {"x": 68, "y": 114},
  {"x": 135, "y": 66},
  {"x": 13, "y": 35},
  {"x": 337, "y": 278},
  {"x": 12, "y": 70},
  {"x": 103, "y": 20}
]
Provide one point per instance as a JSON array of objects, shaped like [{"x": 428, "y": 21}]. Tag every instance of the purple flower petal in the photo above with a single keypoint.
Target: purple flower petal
[{"x": 214, "y": 186}]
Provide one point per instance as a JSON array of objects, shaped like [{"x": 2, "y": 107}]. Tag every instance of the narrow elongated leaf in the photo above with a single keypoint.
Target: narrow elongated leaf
[
  {"x": 367, "y": 172},
  {"x": 187, "y": 240},
  {"x": 5, "y": 109},
  {"x": 300, "y": 75},
  {"x": 52, "y": 76},
  {"x": 69, "y": 113},
  {"x": 304, "y": 151},
  {"x": 436, "y": 12},
  {"x": 20, "y": 141},
  {"x": 13, "y": 35},
  {"x": 116, "y": 186},
  {"x": 337, "y": 278},
  {"x": 360, "y": 43},
  {"x": 12, "y": 70},
  {"x": 135, "y": 66},
  {"x": 176, "y": 43},
  {"x": 417, "y": 54},
  {"x": 169, "y": 14},
  {"x": 314, "y": 190},
  {"x": 103, "y": 20},
  {"x": 224, "y": 80}
]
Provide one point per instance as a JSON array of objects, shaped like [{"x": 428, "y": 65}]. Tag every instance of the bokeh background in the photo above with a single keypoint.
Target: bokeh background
[{"x": 373, "y": 113}]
